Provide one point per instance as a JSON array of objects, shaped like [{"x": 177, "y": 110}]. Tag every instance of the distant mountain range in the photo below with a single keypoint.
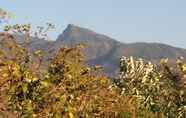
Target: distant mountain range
[{"x": 106, "y": 51}]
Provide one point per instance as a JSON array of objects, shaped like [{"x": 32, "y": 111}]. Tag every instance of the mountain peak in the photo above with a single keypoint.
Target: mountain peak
[
  {"x": 75, "y": 28},
  {"x": 72, "y": 27},
  {"x": 69, "y": 31},
  {"x": 82, "y": 34}
]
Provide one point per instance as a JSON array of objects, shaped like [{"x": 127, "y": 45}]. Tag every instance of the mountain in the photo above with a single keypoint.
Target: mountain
[
  {"x": 106, "y": 51},
  {"x": 97, "y": 45}
]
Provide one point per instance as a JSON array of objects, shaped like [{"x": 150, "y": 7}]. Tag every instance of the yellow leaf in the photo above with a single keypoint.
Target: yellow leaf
[
  {"x": 34, "y": 79},
  {"x": 5, "y": 75},
  {"x": 28, "y": 80},
  {"x": 44, "y": 83},
  {"x": 38, "y": 53},
  {"x": 24, "y": 88},
  {"x": 71, "y": 115},
  {"x": 184, "y": 67}
]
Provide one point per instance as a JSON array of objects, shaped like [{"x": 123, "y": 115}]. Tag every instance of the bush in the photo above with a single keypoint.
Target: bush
[
  {"x": 157, "y": 89},
  {"x": 67, "y": 87}
]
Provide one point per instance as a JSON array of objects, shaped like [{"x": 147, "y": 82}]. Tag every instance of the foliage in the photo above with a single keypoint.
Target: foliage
[
  {"x": 4, "y": 16},
  {"x": 65, "y": 86},
  {"x": 157, "y": 89}
]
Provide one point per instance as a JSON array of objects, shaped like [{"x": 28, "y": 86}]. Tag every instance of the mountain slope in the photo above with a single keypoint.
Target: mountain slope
[
  {"x": 107, "y": 51},
  {"x": 97, "y": 45}
]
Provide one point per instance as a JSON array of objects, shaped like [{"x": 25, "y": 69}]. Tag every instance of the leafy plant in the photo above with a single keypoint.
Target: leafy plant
[
  {"x": 156, "y": 89},
  {"x": 67, "y": 87}
]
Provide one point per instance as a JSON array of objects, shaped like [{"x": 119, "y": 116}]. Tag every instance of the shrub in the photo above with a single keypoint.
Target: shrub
[
  {"x": 160, "y": 90},
  {"x": 67, "y": 87}
]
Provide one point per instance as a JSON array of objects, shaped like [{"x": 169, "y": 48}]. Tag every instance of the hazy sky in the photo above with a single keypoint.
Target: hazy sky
[{"x": 125, "y": 20}]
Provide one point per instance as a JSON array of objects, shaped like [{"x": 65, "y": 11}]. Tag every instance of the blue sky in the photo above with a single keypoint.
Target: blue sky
[{"x": 125, "y": 20}]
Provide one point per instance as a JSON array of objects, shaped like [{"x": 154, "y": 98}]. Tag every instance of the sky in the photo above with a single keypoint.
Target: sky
[{"x": 128, "y": 21}]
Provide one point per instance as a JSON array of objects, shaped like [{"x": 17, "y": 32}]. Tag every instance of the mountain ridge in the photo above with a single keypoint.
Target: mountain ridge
[{"x": 106, "y": 51}]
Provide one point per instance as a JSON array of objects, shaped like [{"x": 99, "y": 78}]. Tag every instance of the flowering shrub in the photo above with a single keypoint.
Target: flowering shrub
[{"x": 158, "y": 89}]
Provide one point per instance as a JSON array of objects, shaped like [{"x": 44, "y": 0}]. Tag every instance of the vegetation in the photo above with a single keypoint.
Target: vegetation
[
  {"x": 64, "y": 86},
  {"x": 157, "y": 89}
]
